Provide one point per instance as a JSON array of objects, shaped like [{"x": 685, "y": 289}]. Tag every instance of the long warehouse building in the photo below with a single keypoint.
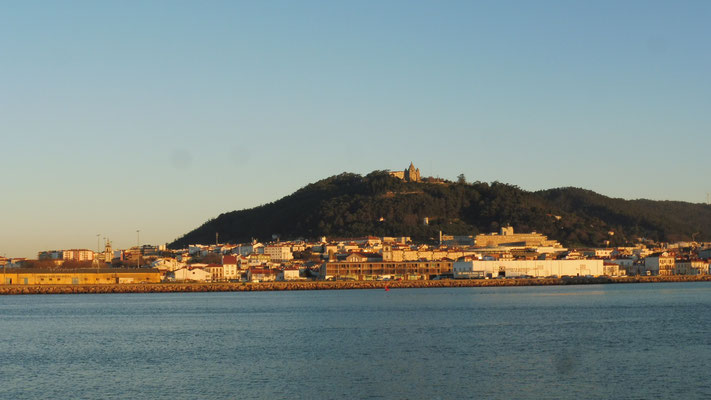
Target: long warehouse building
[
  {"x": 534, "y": 268},
  {"x": 30, "y": 276}
]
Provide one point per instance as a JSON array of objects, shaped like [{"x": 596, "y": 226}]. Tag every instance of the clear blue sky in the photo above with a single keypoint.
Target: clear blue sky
[{"x": 159, "y": 115}]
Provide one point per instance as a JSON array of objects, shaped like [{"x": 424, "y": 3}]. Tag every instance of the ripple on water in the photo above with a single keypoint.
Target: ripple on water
[{"x": 527, "y": 343}]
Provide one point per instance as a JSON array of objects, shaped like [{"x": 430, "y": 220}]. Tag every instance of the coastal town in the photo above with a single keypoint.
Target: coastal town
[
  {"x": 506, "y": 254},
  {"x": 498, "y": 255}
]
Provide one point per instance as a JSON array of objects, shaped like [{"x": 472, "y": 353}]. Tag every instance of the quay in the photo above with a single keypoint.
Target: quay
[{"x": 327, "y": 285}]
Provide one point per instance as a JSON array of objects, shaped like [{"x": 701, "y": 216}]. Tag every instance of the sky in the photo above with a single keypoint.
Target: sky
[{"x": 118, "y": 116}]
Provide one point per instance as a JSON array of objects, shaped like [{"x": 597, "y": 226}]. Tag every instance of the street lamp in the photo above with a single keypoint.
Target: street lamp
[
  {"x": 138, "y": 246},
  {"x": 98, "y": 249}
]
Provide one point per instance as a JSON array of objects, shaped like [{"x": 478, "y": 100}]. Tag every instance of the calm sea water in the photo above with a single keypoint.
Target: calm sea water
[{"x": 640, "y": 341}]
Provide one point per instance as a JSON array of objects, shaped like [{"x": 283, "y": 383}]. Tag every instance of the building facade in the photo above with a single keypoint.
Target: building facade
[
  {"x": 660, "y": 264},
  {"x": 23, "y": 276},
  {"x": 278, "y": 253},
  {"x": 190, "y": 274},
  {"x": 507, "y": 237},
  {"x": 255, "y": 274},
  {"x": 691, "y": 267},
  {"x": 532, "y": 268},
  {"x": 67, "y": 255},
  {"x": 391, "y": 269},
  {"x": 230, "y": 268},
  {"x": 217, "y": 272}
]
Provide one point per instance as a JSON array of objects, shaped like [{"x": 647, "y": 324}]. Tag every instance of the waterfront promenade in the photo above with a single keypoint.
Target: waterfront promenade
[{"x": 328, "y": 285}]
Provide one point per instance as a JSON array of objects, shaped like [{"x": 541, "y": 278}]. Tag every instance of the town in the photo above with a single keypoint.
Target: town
[{"x": 499, "y": 255}]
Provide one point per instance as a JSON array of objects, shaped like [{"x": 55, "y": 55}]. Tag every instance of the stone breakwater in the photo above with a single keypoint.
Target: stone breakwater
[{"x": 322, "y": 285}]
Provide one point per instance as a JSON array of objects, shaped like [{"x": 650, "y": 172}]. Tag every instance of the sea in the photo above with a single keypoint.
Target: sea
[{"x": 616, "y": 341}]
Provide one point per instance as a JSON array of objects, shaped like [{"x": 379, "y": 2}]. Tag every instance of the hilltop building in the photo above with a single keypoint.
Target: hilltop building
[{"x": 411, "y": 174}]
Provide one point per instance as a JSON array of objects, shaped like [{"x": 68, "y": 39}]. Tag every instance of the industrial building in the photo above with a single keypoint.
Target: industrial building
[{"x": 31, "y": 276}]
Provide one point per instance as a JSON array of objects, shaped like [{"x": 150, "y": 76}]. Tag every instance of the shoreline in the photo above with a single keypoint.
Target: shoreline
[{"x": 329, "y": 285}]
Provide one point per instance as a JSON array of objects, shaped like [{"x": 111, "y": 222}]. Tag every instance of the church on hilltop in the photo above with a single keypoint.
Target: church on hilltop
[{"x": 411, "y": 174}]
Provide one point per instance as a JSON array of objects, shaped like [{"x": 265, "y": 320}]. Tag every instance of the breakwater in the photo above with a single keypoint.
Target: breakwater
[{"x": 327, "y": 285}]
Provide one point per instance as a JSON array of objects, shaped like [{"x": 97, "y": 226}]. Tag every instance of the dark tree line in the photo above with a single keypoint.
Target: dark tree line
[{"x": 378, "y": 204}]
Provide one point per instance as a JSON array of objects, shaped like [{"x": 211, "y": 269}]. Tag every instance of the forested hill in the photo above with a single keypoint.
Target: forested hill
[{"x": 348, "y": 205}]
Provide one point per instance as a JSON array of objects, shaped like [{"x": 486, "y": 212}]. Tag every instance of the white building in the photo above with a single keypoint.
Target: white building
[
  {"x": 659, "y": 264},
  {"x": 191, "y": 274},
  {"x": 198, "y": 250},
  {"x": 601, "y": 253},
  {"x": 231, "y": 272},
  {"x": 625, "y": 263},
  {"x": 288, "y": 275},
  {"x": 344, "y": 247},
  {"x": 230, "y": 269},
  {"x": 298, "y": 247},
  {"x": 624, "y": 266},
  {"x": 279, "y": 253},
  {"x": 534, "y": 268},
  {"x": 78, "y": 255},
  {"x": 247, "y": 249},
  {"x": 167, "y": 264},
  {"x": 612, "y": 269},
  {"x": 691, "y": 267}
]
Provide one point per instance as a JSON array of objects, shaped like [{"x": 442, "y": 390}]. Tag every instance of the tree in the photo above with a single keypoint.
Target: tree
[
  {"x": 379, "y": 204},
  {"x": 209, "y": 258},
  {"x": 40, "y": 264},
  {"x": 74, "y": 264}
]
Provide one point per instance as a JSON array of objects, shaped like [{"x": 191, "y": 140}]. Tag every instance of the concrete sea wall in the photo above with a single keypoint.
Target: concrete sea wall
[{"x": 320, "y": 285}]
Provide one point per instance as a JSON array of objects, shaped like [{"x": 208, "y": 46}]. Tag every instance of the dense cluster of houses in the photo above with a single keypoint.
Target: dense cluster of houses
[{"x": 496, "y": 255}]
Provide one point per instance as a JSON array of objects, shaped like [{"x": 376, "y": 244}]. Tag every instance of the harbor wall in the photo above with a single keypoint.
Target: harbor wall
[{"x": 326, "y": 285}]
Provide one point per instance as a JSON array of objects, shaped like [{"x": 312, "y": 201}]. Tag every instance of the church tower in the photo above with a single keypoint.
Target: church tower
[{"x": 412, "y": 174}]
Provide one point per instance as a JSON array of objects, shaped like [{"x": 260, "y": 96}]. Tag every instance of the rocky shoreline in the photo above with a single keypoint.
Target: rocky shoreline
[{"x": 323, "y": 285}]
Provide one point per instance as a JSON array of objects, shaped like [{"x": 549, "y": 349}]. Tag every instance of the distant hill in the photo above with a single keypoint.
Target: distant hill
[{"x": 378, "y": 204}]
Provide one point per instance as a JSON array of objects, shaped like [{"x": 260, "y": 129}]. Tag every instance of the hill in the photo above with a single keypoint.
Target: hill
[{"x": 378, "y": 204}]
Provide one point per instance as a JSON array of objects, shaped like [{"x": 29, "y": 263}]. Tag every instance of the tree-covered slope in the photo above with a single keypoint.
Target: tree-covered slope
[
  {"x": 378, "y": 204},
  {"x": 657, "y": 220}
]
